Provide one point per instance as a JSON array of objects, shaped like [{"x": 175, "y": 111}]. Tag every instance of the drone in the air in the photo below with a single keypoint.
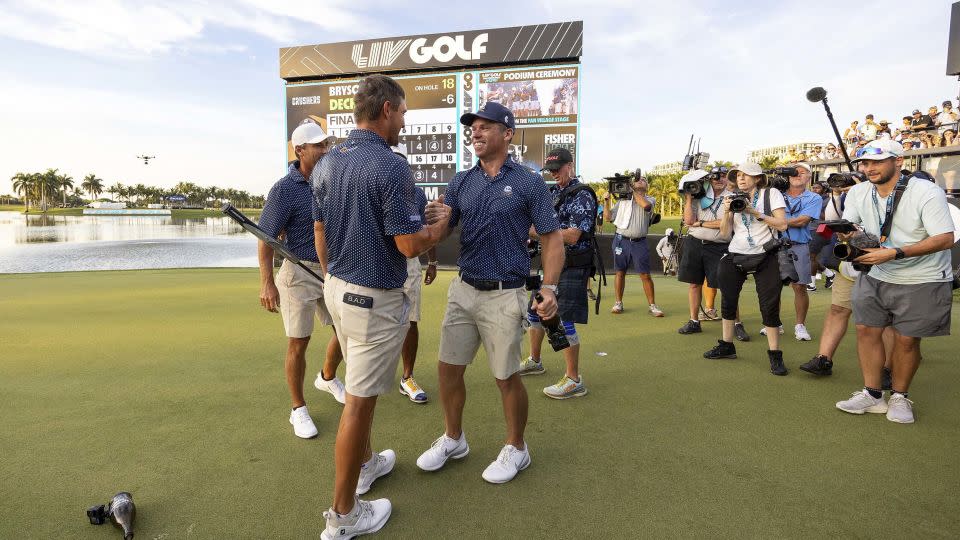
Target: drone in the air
[{"x": 146, "y": 159}]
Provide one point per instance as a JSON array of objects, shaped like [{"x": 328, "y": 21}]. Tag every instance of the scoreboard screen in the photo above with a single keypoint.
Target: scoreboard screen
[{"x": 544, "y": 98}]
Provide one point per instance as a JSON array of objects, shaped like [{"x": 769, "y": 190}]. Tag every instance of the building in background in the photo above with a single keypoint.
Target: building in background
[
  {"x": 667, "y": 168},
  {"x": 781, "y": 151}
]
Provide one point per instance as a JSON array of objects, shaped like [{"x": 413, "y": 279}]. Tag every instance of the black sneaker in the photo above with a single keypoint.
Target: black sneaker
[
  {"x": 886, "y": 381},
  {"x": 776, "y": 363},
  {"x": 818, "y": 365},
  {"x": 740, "y": 332},
  {"x": 692, "y": 327},
  {"x": 828, "y": 282},
  {"x": 724, "y": 349}
]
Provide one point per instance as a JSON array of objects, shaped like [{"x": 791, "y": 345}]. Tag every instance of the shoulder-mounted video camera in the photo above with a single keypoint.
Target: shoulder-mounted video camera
[
  {"x": 620, "y": 186},
  {"x": 780, "y": 177}
]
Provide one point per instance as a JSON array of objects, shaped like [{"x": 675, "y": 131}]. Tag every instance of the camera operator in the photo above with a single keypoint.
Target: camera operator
[
  {"x": 803, "y": 206},
  {"x": 908, "y": 286},
  {"x": 705, "y": 244},
  {"x": 753, "y": 250},
  {"x": 576, "y": 207},
  {"x": 632, "y": 219}
]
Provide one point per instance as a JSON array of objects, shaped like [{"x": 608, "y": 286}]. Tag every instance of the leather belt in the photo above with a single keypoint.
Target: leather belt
[{"x": 492, "y": 285}]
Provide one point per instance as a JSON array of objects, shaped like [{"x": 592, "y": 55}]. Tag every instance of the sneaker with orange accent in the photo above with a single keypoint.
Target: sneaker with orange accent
[
  {"x": 409, "y": 388},
  {"x": 566, "y": 388}
]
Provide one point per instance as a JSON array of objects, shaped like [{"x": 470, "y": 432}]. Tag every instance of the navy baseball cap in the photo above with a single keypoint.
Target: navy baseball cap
[{"x": 492, "y": 111}]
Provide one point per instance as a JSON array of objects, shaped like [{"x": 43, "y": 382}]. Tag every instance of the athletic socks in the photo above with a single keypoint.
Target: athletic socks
[
  {"x": 904, "y": 394},
  {"x": 874, "y": 393}
]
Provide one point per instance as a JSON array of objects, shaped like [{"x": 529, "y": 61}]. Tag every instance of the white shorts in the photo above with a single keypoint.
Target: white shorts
[{"x": 413, "y": 287}]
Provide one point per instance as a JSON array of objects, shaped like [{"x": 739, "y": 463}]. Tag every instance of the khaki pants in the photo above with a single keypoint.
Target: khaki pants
[{"x": 301, "y": 299}]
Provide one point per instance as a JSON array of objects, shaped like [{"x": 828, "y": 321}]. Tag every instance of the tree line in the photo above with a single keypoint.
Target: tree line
[{"x": 41, "y": 189}]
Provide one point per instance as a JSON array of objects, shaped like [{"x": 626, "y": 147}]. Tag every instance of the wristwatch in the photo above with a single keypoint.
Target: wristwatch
[
  {"x": 551, "y": 287},
  {"x": 900, "y": 254}
]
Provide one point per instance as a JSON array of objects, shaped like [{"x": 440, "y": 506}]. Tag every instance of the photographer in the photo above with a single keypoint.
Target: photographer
[
  {"x": 803, "y": 206},
  {"x": 632, "y": 219},
  {"x": 908, "y": 286},
  {"x": 753, "y": 250},
  {"x": 705, "y": 244},
  {"x": 576, "y": 206}
]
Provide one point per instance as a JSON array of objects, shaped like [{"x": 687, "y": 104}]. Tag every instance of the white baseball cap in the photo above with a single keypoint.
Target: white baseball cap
[
  {"x": 805, "y": 165},
  {"x": 309, "y": 133},
  {"x": 748, "y": 168},
  {"x": 879, "y": 149}
]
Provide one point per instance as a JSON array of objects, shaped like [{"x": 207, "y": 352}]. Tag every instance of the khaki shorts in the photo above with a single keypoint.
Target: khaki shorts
[
  {"x": 493, "y": 318},
  {"x": 840, "y": 292},
  {"x": 301, "y": 299},
  {"x": 371, "y": 325},
  {"x": 413, "y": 286}
]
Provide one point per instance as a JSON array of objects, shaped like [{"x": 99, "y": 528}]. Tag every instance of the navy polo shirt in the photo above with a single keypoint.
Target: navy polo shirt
[
  {"x": 290, "y": 208},
  {"x": 495, "y": 215},
  {"x": 576, "y": 212},
  {"x": 365, "y": 196}
]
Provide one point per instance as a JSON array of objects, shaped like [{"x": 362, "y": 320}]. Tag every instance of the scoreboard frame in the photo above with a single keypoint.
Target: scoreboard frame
[{"x": 534, "y": 70}]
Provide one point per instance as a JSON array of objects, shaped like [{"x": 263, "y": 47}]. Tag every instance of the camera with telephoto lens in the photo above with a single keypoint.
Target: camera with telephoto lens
[
  {"x": 739, "y": 201},
  {"x": 697, "y": 190},
  {"x": 854, "y": 246},
  {"x": 779, "y": 177},
  {"x": 845, "y": 179},
  {"x": 620, "y": 185}
]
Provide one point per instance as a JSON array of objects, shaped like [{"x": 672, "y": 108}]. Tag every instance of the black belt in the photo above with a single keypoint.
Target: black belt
[
  {"x": 492, "y": 285},
  {"x": 641, "y": 239}
]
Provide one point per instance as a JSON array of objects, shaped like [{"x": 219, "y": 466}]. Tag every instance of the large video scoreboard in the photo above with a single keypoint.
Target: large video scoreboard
[{"x": 533, "y": 70}]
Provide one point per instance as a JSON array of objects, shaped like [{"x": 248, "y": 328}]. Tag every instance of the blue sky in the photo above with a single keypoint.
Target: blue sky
[{"x": 88, "y": 85}]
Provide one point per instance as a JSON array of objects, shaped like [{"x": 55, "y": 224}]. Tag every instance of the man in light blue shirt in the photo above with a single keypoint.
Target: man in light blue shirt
[{"x": 803, "y": 206}]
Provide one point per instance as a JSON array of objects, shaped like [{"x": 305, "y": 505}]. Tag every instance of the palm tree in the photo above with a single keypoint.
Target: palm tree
[
  {"x": 49, "y": 180},
  {"x": 64, "y": 182},
  {"x": 117, "y": 189},
  {"x": 769, "y": 162},
  {"x": 92, "y": 185},
  {"x": 23, "y": 184},
  {"x": 664, "y": 189}
]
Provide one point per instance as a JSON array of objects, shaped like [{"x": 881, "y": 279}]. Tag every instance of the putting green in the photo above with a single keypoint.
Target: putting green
[{"x": 169, "y": 384}]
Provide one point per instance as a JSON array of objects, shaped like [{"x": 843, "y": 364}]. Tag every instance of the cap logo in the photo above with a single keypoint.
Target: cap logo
[{"x": 506, "y": 118}]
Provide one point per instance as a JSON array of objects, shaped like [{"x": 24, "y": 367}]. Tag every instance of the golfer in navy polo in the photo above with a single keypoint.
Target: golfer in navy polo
[
  {"x": 367, "y": 226},
  {"x": 495, "y": 203}
]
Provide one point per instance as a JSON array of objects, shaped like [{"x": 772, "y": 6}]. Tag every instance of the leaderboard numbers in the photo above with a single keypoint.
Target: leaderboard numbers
[{"x": 428, "y": 129}]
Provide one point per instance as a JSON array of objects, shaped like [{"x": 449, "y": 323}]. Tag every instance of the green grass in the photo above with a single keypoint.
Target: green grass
[
  {"x": 169, "y": 384},
  {"x": 182, "y": 214},
  {"x": 659, "y": 228}
]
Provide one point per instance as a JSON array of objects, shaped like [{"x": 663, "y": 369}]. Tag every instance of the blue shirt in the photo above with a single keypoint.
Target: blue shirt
[
  {"x": 807, "y": 204},
  {"x": 495, "y": 215},
  {"x": 576, "y": 212},
  {"x": 365, "y": 196},
  {"x": 290, "y": 208}
]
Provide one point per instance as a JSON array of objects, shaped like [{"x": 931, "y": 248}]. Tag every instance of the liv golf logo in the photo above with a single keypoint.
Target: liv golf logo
[{"x": 443, "y": 49}]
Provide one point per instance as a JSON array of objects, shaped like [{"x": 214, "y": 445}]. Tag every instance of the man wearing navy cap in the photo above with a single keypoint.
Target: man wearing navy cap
[
  {"x": 576, "y": 207},
  {"x": 495, "y": 203},
  {"x": 367, "y": 226}
]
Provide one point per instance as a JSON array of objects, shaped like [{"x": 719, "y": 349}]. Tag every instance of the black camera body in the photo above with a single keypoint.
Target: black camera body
[
  {"x": 533, "y": 248},
  {"x": 553, "y": 327},
  {"x": 697, "y": 190},
  {"x": 775, "y": 244},
  {"x": 620, "y": 186},
  {"x": 854, "y": 247},
  {"x": 739, "y": 201},
  {"x": 845, "y": 179},
  {"x": 779, "y": 177}
]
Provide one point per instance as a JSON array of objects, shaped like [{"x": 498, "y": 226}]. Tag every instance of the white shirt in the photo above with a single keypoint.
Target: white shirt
[
  {"x": 713, "y": 212},
  {"x": 758, "y": 230},
  {"x": 833, "y": 210},
  {"x": 923, "y": 212}
]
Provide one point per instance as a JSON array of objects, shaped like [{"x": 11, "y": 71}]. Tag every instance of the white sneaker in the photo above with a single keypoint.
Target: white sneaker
[
  {"x": 617, "y": 308},
  {"x": 655, "y": 311},
  {"x": 763, "y": 331},
  {"x": 441, "y": 450},
  {"x": 861, "y": 402},
  {"x": 412, "y": 390},
  {"x": 900, "y": 409},
  {"x": 365, "y": 518},
  {"x": 379, "y": 465},
  {"x": 302, "y": 423},
  {"x": 507, "y": 465},
  {"x": 800, "y": 331},
  {"x": 334, "y": 386},
  {"x": 531, "y": 367}
]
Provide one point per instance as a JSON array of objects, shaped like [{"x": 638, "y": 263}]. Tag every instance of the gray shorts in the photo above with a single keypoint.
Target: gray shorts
[
  {"x": 801, "y": 261},
  {"x": 921, "y": 310}
]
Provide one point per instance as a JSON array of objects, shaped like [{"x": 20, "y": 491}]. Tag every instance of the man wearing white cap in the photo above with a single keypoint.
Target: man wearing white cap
[
  {"x": 908, "y": 285},
  {"x": 298, "y": 296}
]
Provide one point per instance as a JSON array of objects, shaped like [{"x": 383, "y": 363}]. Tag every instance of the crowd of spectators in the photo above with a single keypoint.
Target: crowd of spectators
[{"x": 935, "y": 129}]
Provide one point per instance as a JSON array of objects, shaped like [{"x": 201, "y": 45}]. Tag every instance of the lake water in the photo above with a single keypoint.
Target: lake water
[{"x": 38, "y": 243}]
